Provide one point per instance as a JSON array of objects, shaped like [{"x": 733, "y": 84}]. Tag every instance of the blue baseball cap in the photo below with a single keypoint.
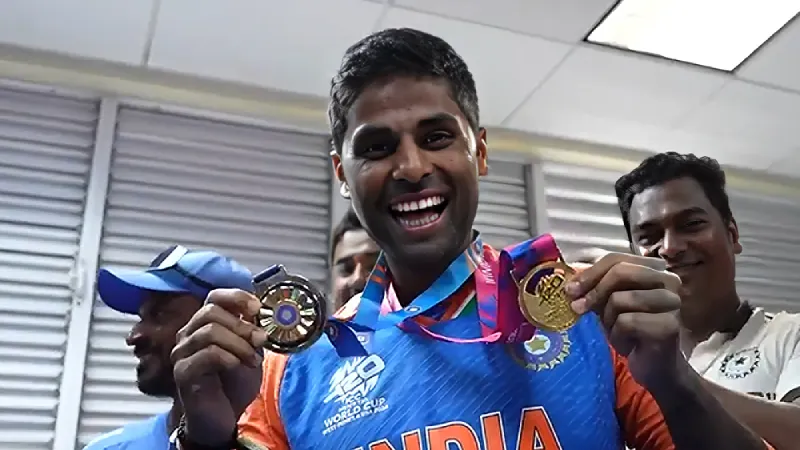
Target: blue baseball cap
[{"x": 177, "y": 270}]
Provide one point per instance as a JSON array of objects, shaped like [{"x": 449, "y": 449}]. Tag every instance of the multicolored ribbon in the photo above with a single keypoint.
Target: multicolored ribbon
[{"x": 496, "y": 290}]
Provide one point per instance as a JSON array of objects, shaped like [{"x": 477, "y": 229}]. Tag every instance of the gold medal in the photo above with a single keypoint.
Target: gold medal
[{"x": 545, "y": 304}]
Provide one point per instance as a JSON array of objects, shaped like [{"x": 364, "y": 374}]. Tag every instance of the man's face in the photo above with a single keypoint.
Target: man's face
[
  {"x": 153, "y": 337},
  {"x": 412, "y": 163},
  {"x": 677, "y": 222},
  {"x": 353, "y": 260}
]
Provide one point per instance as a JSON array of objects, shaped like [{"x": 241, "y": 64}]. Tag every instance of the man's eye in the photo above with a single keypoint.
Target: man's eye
[
  {"x": 693, "y": 224},
  {"x": 437, "y": 137},
  {"x": 346, "y": 268},
  {"x": 376, "y": 148},
  {"x": 646, "y": 241}
]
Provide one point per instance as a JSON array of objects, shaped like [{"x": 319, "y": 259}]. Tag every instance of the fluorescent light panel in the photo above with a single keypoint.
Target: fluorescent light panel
[{"x": 714, "y": 33}]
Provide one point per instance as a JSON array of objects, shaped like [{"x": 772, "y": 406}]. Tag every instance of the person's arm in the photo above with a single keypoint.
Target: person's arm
[
  {"x": 261, "y": 427},
  {"x": 683, "y": 416},
  {"x": 776, "y": 422}
]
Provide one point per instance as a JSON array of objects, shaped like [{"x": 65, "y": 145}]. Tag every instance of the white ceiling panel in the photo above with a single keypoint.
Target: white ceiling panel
[
  {"x": 563, "y": 20},
  {"x": 507, "y": 66},
  {"x": 112, "y": 30},
  {"x": 286, "y": 45},
  {"x": 777, "y": 63},
  {"x": 752, "y": 113},
  {"x": 606, "y": 83}
]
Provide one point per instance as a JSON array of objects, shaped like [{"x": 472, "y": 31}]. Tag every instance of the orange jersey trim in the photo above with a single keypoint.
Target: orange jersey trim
[
  {"x": 261, "y": 426},
  {"x": 643, "y": 423}
]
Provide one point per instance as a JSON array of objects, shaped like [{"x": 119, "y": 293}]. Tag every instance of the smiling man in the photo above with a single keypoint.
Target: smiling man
[
  {"x": 435, "y": 353},
  {"x": 165, "y": 296},
  {"x": 675, "y": 207}
]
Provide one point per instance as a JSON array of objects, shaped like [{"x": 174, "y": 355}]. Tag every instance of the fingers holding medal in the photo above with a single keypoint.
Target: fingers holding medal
[{"x": 635, "y": 298}]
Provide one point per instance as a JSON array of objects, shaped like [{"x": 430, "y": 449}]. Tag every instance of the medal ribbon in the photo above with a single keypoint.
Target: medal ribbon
[{"x": 495, "y": 287}]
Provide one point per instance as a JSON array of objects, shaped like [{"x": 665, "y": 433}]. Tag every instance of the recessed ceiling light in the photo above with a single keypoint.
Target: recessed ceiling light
[{"x": 719, "y": 34}]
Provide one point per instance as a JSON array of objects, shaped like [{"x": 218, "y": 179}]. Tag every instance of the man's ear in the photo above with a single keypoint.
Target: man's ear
[
  {"x": 482, "y": 153},
  {"x": 733, "y": 229},
  {"x": 336, "y": 163}
]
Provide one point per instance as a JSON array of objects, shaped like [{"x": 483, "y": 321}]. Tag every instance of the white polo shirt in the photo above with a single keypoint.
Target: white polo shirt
[{"x": 763, "y": 359}]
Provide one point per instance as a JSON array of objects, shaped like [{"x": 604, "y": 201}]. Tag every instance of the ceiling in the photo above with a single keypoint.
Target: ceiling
[{"x": 533, "y": 72}]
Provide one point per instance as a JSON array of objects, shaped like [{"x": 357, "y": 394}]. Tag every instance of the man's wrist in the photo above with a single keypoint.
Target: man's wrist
[
  {"x": 676, "y": 386},
  {"x": 189, "y": 441}
]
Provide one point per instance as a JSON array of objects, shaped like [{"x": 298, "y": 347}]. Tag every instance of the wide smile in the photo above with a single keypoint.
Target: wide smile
[{"x": 419, "y": 212}]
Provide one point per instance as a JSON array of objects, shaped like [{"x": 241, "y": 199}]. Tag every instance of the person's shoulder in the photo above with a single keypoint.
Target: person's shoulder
[
  {"x": 127, "y": 437},
  {"x": 782, "y": 322},
  {"x": 782, "y": 325}
]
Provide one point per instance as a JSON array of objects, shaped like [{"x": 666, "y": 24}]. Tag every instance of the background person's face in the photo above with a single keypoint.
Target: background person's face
[
  {"x": 675, "y": 221},
  {"x": 154, "y": 336},
  {"x": 353, "y": 259}
]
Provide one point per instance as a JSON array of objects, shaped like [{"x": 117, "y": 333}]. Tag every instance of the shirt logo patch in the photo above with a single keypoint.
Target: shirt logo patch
[
  {"x": 352, "y": 392},
  {"x": 740, "y": 364},
  {"x": 544, "y": 351}
]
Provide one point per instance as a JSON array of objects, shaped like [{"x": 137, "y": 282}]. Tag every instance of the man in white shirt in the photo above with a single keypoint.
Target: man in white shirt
[{"x": 675, "y": 207}]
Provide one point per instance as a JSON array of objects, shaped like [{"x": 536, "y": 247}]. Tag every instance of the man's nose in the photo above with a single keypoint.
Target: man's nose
[
  {"x": 411, "y": 162},
  {"x": 672, "y": 245},
  {"x": 134, "y": 335}
]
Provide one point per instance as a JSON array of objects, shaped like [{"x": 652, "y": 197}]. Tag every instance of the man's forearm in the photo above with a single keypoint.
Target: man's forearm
[
  {"x": 776, "y": 422},
  {"x": 696, "y": 420}
]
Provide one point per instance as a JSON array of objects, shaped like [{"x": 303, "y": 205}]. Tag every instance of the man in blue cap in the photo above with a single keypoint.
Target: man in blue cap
[{"x": 165, "y": 296}]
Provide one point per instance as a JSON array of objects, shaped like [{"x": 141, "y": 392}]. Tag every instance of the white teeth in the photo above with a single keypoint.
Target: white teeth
[
  {"x": 424, "y": 203},
  {"x": 419, "y": 222}
]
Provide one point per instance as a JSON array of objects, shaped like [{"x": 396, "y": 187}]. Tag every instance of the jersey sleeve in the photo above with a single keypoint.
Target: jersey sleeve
[
  {"x": 261, "y": 427},
  {"x": 788, "y": 387},
  {"x": 643, "y": 423}
]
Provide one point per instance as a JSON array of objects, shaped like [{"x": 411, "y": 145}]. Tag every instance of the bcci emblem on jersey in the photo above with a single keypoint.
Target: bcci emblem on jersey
[
  {"x": 545, "y": 350},
  {"x": 740, "y": 364}
]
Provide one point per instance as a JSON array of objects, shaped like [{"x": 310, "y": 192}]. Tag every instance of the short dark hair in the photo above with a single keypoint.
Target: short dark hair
[
  {"x": 349, "y": 222},
  {"x": 663, "y": 167},
  {"x": 398, "y": 52}
]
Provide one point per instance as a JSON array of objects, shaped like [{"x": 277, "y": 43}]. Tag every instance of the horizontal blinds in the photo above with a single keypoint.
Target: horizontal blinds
[
  {"x": 503, "y": 209},
  {"x": 582, "y": 209},
  {"x": 767, "y": 270},
  {"x": 46, "y": 143},
  {"x": 582, "y": 212},
  {"x": 257, "y": 195}
]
